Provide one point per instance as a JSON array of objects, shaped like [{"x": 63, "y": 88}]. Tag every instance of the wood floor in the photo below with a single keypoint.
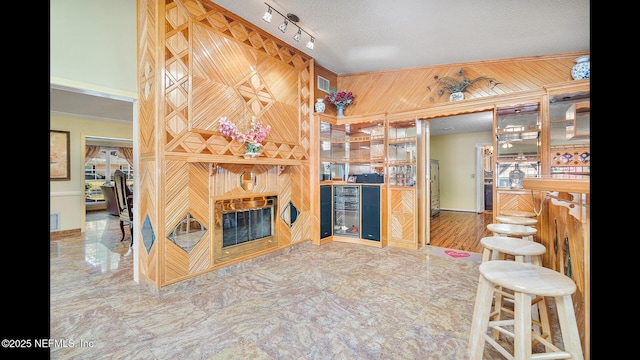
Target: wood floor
[{"x": 460, "y": 230}]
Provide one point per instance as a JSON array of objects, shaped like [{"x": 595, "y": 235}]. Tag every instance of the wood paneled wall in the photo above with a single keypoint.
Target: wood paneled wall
[
  {"x": 395, "y": 91},
  {"x": 198, "y": 63}
]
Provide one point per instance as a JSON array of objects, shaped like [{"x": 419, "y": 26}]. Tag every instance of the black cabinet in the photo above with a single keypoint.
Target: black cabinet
[
  {"x": 370, "y": 212},
  {"x": 326, "y": 210}
]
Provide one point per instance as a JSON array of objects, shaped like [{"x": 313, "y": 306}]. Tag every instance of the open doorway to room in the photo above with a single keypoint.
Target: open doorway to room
[{"x": 484, "y": 171}]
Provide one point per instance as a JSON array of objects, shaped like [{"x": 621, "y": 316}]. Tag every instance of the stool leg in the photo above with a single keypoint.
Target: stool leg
[
  {"x": 480, "y": 320},
  {"x": 569, "y": 327},
  {"x": 522, "y": 326}
]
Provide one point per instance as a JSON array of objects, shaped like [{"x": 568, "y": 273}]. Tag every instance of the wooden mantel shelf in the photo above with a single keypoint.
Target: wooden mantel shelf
[
  {"x": 569, "y": 183},
  {"x": 226, "y": 159}
]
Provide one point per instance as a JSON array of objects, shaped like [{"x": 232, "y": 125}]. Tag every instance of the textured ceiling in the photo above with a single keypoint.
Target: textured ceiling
[{"x": 370, "y": 35}]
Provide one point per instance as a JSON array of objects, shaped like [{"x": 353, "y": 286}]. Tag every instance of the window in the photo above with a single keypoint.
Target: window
[{"x": 99, "y": 171}]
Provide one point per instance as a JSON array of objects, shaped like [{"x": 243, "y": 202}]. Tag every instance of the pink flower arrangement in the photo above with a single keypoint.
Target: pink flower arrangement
[
  {"x": 340, "y": 98},
  {"x": 253, "y": 138}
]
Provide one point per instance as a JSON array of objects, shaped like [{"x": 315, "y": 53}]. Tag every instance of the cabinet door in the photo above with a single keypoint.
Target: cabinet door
[
  {"x": 371, "y": 212},
  {"x": 325, "y": 211}
]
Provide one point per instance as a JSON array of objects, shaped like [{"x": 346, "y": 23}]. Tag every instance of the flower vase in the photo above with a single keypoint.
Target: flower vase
[
  {"x": 340, "y": 111},
  {"x": 250, "y": 155},
  {"x": 456, "y": 96},
  {"x": 582, "y": 68},
  {"x": 319, "y": 106}
]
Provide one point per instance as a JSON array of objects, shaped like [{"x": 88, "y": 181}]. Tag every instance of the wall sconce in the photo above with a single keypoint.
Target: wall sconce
[{"x": 283, "y": 26}]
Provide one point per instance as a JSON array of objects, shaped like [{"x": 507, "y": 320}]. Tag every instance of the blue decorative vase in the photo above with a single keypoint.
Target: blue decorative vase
[
  {"x": 582, "y": 68},
  {"x": 340, "y": 111}
]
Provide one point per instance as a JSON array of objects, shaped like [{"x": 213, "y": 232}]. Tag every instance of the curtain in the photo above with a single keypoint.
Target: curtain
[
  {"x": 126, "y": 153},
  {"x": 90, "y": 152}
]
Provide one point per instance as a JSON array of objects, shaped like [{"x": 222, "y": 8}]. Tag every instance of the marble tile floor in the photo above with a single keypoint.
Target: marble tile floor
[{"x": 336, "y": 301}]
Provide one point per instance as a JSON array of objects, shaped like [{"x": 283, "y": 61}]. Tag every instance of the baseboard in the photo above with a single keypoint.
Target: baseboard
[{"x": 55, "y": 235}]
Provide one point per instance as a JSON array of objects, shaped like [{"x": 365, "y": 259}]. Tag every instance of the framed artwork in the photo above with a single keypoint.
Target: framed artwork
[{"x": 59, "y": 155}]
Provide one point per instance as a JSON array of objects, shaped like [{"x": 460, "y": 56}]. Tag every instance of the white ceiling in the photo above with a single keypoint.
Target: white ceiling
[{"x": 374, "y": 35}]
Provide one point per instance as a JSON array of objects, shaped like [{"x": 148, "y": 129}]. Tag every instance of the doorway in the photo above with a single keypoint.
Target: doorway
[{"x": 484, "y": 171}]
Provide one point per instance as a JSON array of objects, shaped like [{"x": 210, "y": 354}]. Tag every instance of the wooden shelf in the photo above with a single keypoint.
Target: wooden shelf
[{"x": 228, "y": 159}]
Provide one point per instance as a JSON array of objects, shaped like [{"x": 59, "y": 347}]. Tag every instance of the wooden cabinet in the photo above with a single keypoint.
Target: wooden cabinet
[{"x": 370, "y": 147}]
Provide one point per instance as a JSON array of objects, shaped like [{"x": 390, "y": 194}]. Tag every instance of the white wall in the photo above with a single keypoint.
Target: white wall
[
  {"x": 93, "y": 46},
  {"x": 457, "y": 160}
]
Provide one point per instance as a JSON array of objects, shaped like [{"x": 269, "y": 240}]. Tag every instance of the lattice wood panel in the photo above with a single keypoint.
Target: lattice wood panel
[{"x": 402, "y": 219}]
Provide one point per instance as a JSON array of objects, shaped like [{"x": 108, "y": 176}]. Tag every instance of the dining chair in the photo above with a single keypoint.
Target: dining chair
[{"x": 123, "y": 194}]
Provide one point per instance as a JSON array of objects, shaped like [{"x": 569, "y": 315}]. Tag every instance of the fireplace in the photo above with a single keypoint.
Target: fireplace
[{"x": 244, "y": 226}]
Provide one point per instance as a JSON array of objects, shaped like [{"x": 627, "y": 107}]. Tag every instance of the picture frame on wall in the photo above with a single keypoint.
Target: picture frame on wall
[{"x": 59, "y": 155}]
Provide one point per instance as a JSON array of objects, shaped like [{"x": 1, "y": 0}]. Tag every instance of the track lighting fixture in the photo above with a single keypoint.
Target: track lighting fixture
[{"x": 286, "y": 19}]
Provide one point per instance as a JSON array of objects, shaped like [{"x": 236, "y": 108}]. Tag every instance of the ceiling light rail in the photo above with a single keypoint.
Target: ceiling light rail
[{"x": 289, "y": 18}]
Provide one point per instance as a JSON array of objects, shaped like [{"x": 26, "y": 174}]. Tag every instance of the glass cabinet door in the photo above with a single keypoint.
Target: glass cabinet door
[
  {"x": 402, "y": 156},
  {"x": 570, "y": 134},
  {"x": 346, "y": 210},
  {"x": 517, "y": 148}
]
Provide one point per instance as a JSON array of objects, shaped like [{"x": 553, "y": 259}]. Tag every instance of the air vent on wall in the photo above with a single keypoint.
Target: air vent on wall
[
  {"x": 54, "y": 221},
  {"x": 323, "y": 84}
]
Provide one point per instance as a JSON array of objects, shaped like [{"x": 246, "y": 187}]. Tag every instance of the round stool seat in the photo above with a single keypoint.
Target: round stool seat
[
  {"x": 525, "y": 232},
  {"x": 518, "y": 213},
  {"x": 527, "y": 278},
  {"x": 515, "y": 247},
  {"x": 516, "y": 220}
]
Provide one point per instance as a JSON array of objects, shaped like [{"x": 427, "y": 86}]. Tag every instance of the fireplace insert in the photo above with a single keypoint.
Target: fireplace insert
[{"x": 244, "y": 226}]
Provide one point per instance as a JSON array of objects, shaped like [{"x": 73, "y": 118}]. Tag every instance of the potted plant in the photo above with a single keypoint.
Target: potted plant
[{"x": 456, "y": 86}]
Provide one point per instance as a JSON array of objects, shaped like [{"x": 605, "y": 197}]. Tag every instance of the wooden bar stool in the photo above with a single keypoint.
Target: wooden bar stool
[
  {"x": 526, "y": 281},
  {"x": 511, "y": 230},
  {"x": 496, "y": 248},
  {"x": 517, "y": 220}
]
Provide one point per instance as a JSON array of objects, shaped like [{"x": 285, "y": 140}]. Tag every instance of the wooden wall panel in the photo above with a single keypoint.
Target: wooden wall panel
[
  {"x": 402, "y": 219},
  {"x": 150, "y": 15},
  {"x": 406, "y": 89}
]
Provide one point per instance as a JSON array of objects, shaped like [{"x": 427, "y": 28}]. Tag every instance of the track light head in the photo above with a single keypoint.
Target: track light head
[
  {"x": 268, "y": 15},
  {"x": 283, "y": 26},
  {"x": 296, "y": 37},
  {"x": 310, "y": 44}
]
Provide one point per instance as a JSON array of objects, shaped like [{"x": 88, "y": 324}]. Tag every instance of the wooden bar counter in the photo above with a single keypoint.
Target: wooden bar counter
[{"x": 564, "y": 201}]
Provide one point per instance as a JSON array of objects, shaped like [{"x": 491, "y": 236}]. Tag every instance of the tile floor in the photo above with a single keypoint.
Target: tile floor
[{"x": 336, "y": 301}]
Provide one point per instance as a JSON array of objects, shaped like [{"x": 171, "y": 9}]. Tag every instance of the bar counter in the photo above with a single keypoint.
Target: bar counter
[{"x": 564, "y": 228}]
